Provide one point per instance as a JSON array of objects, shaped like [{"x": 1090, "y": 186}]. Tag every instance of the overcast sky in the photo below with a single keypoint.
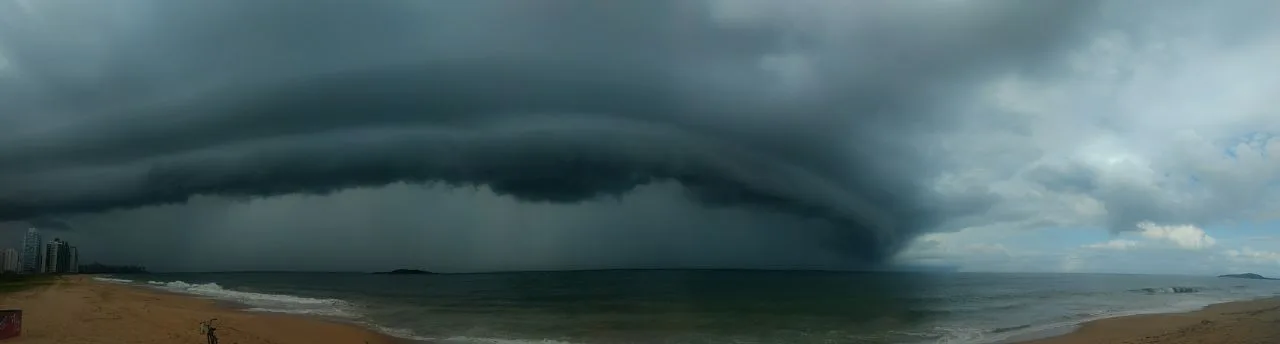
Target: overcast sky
[{"x": 1073, "y": 136}]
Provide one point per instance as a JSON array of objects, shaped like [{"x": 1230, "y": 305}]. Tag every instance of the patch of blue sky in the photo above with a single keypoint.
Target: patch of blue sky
[
  {"x": 1057, "y": 238},
  {"x": 1256, "y": 140}
]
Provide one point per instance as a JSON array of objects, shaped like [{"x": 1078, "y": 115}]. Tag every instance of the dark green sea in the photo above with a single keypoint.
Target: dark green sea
[{"x": 692, "y": 306}]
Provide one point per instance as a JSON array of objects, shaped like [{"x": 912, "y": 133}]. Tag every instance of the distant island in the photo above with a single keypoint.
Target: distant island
[
  {"x": 405, "y": 272},
  {"x": 1247, "y": 276}
]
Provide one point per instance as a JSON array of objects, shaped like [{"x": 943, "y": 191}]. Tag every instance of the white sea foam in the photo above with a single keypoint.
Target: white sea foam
[
  {"x": 328, "y": 312},
  {"x": 288, "y": 304},
  {"x": 959, "y": 335},
  {"x": 397, "y": 332},
  {"x": 112, "y": 280},
  {"x": 263, "y": 302},
  {"x": 475, "y": 340},
  {"x": 975, "y": 336}
]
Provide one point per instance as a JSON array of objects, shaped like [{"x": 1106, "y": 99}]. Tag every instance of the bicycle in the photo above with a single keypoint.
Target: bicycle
[{"x": 207, "y": 329}]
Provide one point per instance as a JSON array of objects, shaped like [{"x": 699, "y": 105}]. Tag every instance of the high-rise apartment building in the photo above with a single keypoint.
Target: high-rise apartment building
[
  {"x": 57, "y": 257},
  {"x": 75, "y": 260},
  {"x": 32, "y": 249},
  {"x": 10, "y": 260}
]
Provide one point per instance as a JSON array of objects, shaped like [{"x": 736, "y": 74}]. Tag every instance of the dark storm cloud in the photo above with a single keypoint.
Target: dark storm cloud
[
  {"x": 154, "y": 102},
  {"x": 50, "y": 224},
  {"x": 453, "y": 230}
]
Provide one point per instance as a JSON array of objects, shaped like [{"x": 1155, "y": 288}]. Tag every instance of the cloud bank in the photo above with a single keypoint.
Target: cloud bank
[{"x": 861, "y": 124}]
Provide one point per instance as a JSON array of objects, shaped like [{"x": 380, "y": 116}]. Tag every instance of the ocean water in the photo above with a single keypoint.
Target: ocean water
[{"x": 690, "y": 306}]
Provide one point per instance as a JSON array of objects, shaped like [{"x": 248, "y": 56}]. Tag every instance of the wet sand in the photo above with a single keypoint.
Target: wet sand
[
  {"x": 1244, "y": 322},
  {"x": 80, "y": 310}
]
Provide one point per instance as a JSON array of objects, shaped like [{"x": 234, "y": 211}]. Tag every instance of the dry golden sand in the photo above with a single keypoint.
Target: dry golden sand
[
  {"x": 79, "y": 310},
  {"x": 1245, "y": 322}
]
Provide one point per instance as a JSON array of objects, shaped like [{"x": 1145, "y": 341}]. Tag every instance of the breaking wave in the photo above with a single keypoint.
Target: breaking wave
[
  {"x": 261, "y": 302},
  {"x": 112, "y": 280},
  {"x": 477, "y": 340},
  {"x": 1169, "y": 290}
]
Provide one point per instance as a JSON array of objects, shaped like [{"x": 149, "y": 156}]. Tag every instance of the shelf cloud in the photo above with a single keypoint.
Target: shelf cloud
[{"x": 867, "y": 123}]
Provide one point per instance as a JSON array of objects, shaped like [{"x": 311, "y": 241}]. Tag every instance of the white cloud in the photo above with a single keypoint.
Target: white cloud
[
  {"x": 1117, "y": 244},
  {"x": 964, "y": 247},
  {"x": 1250, "y": 255},
  {"x": 1149, "y": 251},
  {"x": 1072, "y": 263},
  {"x": 1148, "y": 260},
  {"x": 1135, "y": 131},
  {"x": 941, "y": 247},
  {"x": 996, "y": 248},
  {"x": 1185, "y": 236}
]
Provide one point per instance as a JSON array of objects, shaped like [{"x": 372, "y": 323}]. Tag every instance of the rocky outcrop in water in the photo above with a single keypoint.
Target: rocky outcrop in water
[{"x": 1248, "y": 276}]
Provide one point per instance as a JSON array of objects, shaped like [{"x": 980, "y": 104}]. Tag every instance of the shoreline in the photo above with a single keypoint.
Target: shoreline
[
  {"x": 80, "y": 309},
  {"x": 83, "y": 309},
  {"x": 1244, "y": 321},
  {"x": 238, "y": 307}
]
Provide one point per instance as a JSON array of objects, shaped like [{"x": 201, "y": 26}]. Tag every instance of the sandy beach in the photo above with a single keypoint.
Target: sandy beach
[
  {"x": 80, "y": 310},
  {"x": 1244, "y": 322}
]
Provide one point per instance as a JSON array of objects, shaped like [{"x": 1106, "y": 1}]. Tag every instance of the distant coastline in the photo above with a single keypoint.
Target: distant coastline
[
  {"x": 405, "y": 272},
  {"x": 98, "y": 268},
  {"x": 778, "y": 270}
]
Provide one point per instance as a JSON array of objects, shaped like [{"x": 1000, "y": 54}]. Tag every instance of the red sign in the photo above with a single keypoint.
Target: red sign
[{"x": 10, "y": 323}]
